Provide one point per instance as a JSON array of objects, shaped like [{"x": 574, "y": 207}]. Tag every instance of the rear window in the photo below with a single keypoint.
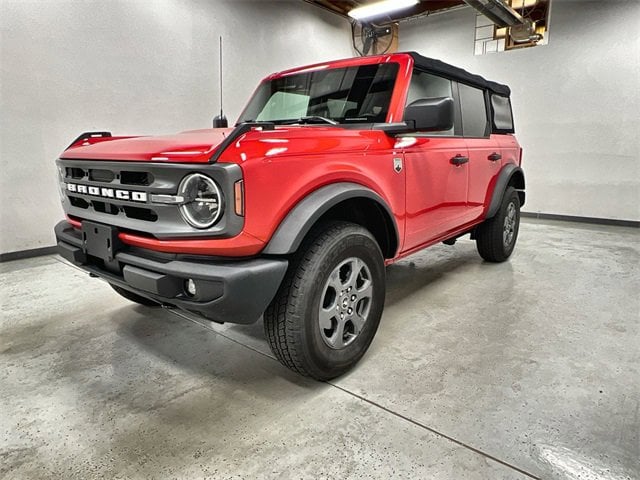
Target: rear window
[
  {"x": 502, "y": 116},
  {"x": 474, "y": 111}
]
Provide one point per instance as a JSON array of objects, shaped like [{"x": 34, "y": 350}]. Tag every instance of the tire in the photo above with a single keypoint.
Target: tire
[
  {"x": 135, "y": 298},
  {"x": 496, "y": 237},
  {"x": 338, "y": 269}
]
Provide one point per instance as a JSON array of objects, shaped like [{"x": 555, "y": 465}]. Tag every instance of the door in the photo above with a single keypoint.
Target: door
[
  {"x": 436, "y": 178},
  {"x": 485, "y": 162},
  {"x": 437, "y": 174},
  {"x": 485, "y": 152}
]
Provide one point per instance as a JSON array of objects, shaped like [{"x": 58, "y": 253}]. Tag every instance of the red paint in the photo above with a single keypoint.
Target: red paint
[
  {"x": 194, "y": 146},
  {"x": 436, "y": 189},
  {"x": 483, "y": 173},
  {"x": 77, "y": 224},
  {"x": 239, "y": 246}
]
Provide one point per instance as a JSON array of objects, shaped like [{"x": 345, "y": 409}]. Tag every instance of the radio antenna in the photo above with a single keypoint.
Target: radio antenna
[{"x": 220, "y": 121}]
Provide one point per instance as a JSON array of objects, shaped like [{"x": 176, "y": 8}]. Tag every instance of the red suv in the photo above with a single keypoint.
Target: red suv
[{"x": 332, "y": 172}]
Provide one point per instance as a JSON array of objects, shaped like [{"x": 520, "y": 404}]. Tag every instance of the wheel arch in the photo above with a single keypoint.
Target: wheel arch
[
  {"x": 510, "y": 176},
  {"x": 339, "y": 201}
]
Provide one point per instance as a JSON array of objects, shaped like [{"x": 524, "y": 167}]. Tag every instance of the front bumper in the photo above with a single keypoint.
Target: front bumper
[{"x": 235, "y": 291}]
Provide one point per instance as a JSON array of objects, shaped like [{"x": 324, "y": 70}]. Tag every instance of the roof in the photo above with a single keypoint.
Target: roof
[{"x": 455, "y": 73}]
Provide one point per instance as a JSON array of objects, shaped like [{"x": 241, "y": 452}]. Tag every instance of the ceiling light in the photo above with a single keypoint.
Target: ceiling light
[{"x": 381, "y": 8}]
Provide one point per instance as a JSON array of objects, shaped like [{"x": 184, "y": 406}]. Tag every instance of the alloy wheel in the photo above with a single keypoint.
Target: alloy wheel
[{"x": 345, "y": 303}]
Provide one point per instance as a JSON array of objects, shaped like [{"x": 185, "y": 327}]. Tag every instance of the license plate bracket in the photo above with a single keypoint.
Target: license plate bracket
[{"x": 100, "y": 240}]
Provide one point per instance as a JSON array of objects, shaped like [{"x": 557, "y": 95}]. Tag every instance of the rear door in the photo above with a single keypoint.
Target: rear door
[
  {"x": 485, "y": 151},
  {"x": 503, "y": 124},
  {"x": 436, "y": 184}
]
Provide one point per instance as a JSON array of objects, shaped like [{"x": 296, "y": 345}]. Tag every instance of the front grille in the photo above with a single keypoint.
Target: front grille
[
  {"x": 78, "y": 202},
  {"x": 138, "y": 213},
  {"x": 136, "y": 178},
  {"x": 99, "y": 175},
  {"x": 121, "y": 194},
  {"x": 105, "y": 207},
  {"x": 73, "y": 172},
  {"x": 145, "y": 214},
  {"x": 108, "y": 176}
]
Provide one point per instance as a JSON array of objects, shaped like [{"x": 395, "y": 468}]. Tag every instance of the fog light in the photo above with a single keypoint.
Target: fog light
[{"x": 190, "y": 286}]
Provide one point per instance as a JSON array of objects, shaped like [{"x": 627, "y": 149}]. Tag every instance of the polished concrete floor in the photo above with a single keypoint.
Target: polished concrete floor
[{"x": 527, "y": 369}]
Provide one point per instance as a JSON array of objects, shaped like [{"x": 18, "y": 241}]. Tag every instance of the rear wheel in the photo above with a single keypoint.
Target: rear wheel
[
  {"x": 329, "y": 305},
  {"x": 496, "y": 237},
  {"x": 134, "y": 298}
]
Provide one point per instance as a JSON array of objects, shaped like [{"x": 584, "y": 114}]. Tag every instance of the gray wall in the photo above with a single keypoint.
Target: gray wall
[
  {"x": 576, "y": 101},
  {"x": 131, "y": 67}
]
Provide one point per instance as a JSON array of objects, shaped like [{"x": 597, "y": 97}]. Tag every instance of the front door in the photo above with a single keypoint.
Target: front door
[
  {"x": 437, "y": 173},
  {"x": 437, "y": 176}
]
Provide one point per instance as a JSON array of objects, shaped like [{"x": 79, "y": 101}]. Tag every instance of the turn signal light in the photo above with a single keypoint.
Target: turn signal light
[{"x": 238, "y": 190}]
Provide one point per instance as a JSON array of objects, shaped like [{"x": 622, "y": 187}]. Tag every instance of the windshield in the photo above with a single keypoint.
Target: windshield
[{"x": 337, "y": 95}]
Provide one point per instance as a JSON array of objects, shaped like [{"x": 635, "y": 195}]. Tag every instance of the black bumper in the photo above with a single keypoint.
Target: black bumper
[{"x": 227, "y": 291}]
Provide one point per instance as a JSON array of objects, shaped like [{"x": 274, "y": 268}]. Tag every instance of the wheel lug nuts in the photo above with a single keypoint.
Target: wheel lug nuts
[
  {"x": 350, "y": 311},
  {"x": 353, "y": 297}
]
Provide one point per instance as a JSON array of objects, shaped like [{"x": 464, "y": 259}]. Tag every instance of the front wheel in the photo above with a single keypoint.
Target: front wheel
[
  {"x": 329, "y": 305},
  {"x": 496, "y": 237}
]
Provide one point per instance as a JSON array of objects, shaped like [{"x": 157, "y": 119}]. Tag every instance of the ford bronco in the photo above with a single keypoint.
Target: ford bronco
[{"x": 332, "y": 172}]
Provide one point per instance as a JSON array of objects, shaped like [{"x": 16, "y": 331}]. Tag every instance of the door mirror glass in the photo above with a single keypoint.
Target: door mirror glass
[{"x": 430, "y": 114}]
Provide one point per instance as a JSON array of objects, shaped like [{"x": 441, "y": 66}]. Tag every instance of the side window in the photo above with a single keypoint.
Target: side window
[
  {"x": 426, "y": 85},
  {"x": 502, "y": 118},
  {"x": 474, "y": 111}
]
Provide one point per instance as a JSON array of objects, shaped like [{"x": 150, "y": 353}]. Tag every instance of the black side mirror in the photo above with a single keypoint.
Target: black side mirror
[{"x": 430, "y": 114}]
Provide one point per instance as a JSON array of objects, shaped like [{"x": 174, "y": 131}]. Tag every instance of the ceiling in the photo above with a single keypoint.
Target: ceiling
[{"x": 425, "y": 7}]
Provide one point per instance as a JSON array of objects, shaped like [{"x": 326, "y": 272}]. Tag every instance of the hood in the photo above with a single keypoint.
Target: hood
[
  {"x": 197, "y": 146},
  {"x": 194, "y": 146}
]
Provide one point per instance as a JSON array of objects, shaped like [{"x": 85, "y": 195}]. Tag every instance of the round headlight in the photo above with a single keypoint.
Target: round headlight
[{"x": 202, "y": 205}]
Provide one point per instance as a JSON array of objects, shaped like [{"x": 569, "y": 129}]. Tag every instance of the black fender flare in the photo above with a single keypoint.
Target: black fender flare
[
  {"x": 504, "y": 178},
  {"x": 295, "y": 226}
]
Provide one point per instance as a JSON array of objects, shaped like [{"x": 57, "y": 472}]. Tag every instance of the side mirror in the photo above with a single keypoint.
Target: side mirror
[{"x": 430, "y": 114}]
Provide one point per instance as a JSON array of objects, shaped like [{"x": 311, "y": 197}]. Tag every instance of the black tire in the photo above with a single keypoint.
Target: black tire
[
  {"x": 135, "y": 298},
  {"x": 493, "y": 241},
  {"x": 292, "y": 320}
]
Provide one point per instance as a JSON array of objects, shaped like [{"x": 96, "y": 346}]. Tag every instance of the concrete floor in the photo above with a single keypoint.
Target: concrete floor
[{"x": 527, "y": 369}]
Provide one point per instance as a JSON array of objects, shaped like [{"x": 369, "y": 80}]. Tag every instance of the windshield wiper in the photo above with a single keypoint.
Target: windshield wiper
[
  {"x": 254, "y": 122},
  {"x": 309, "y": 119}
]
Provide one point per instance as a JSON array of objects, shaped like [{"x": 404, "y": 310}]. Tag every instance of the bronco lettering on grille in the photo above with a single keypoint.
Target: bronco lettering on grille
[{"x": 107, "y": 192}]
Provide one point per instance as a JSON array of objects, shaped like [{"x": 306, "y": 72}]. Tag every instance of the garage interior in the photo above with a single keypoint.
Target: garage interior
[{"x": 524, "y": 369}]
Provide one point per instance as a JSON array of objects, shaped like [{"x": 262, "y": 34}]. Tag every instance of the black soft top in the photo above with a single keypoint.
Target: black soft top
[{"x": 455, "y": 73}]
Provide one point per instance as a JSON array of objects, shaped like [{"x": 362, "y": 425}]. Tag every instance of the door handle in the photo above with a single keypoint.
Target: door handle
[
  {"x": 459, "y": 160},
  {"x": 494, "y": 157}
]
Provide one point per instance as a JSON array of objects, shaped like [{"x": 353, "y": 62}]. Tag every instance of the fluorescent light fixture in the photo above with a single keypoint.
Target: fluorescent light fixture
[{"x": 381, "y": 8}]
